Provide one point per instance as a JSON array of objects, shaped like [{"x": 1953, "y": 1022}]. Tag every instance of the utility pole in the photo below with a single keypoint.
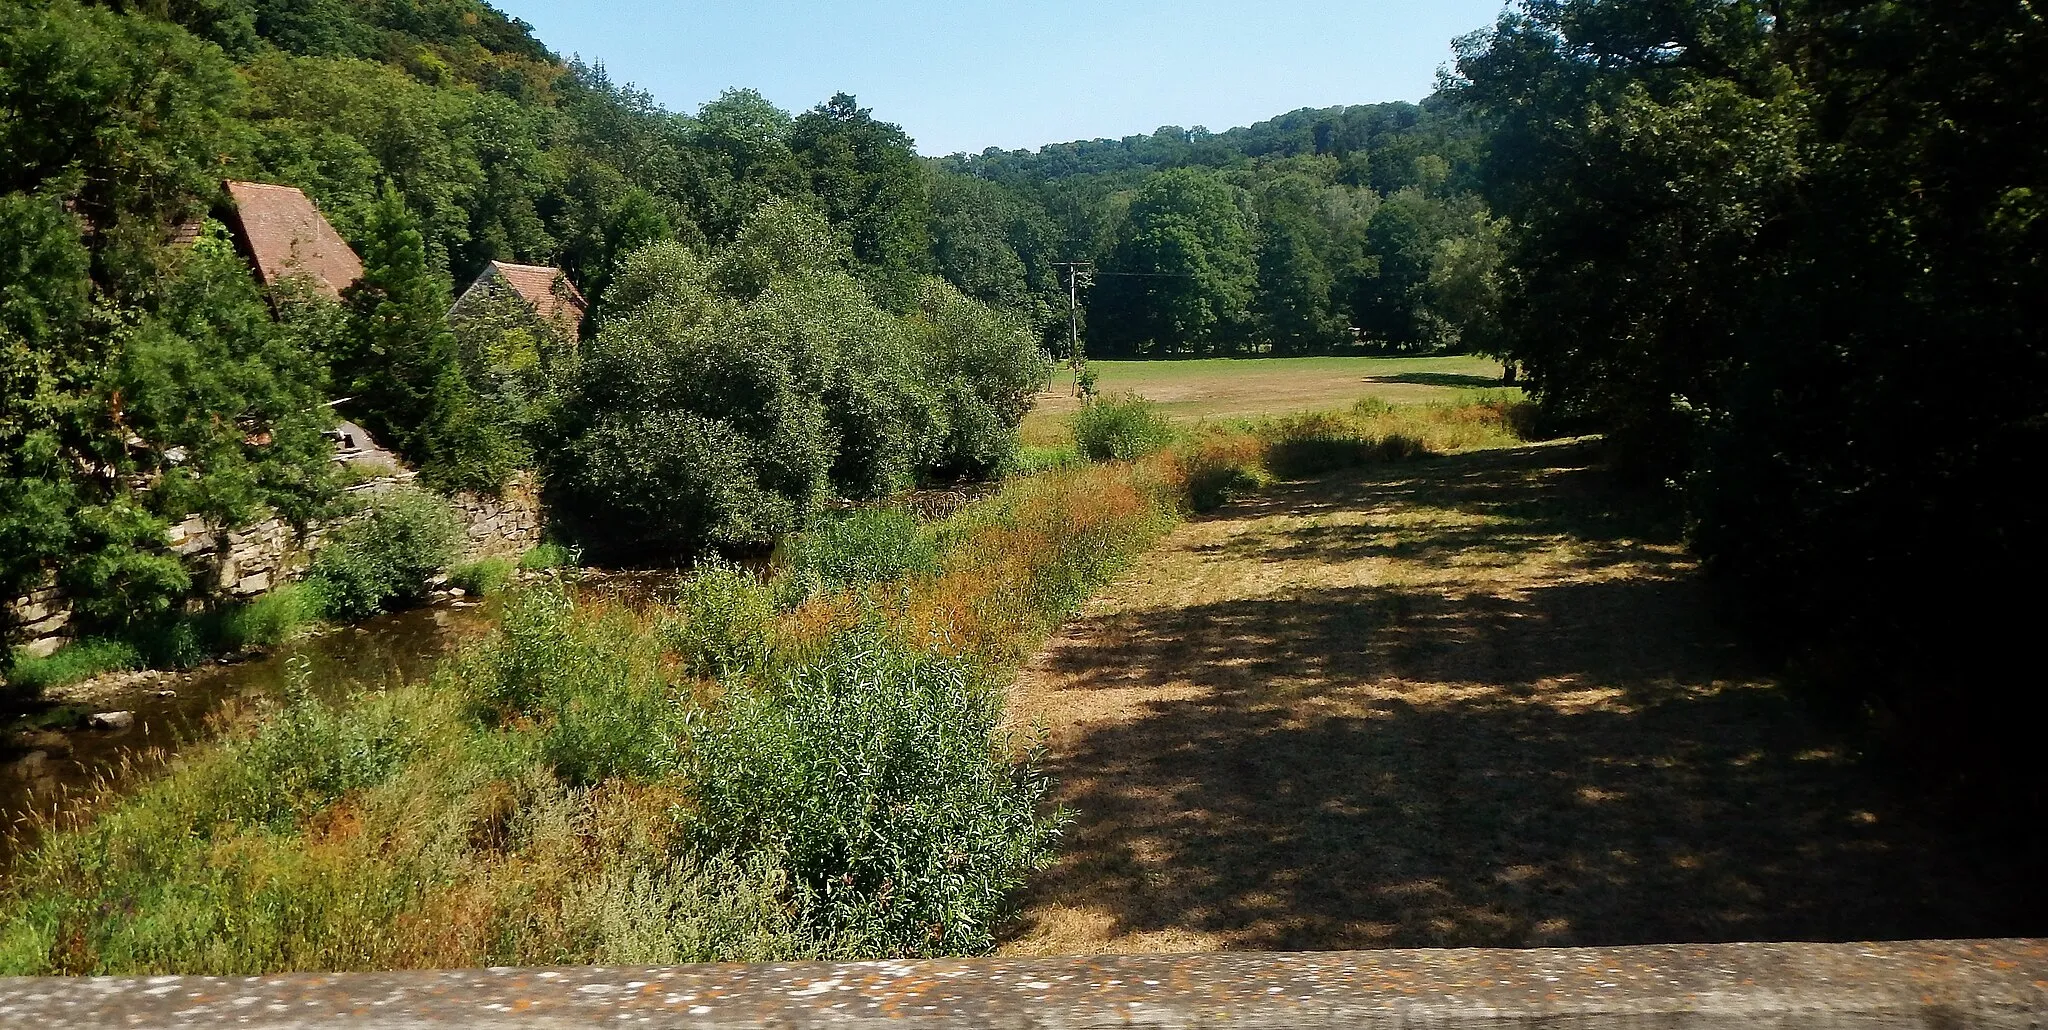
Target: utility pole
[{"x": 1074, "y": 273}]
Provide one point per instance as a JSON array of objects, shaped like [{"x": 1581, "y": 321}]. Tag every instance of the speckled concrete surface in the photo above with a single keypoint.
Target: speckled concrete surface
[{"x": 2001, "y": 984}]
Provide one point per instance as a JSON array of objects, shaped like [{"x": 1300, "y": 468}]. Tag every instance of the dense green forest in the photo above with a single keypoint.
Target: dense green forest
[
  {"x": 777, "y": 320},
  {"x": 901, "y": 300},
  {"x": 1786, "y": 253},
  {"x": 1348, "y": 228}
]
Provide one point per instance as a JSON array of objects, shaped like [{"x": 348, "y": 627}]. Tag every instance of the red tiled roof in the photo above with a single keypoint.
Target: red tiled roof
[
  {"x": 287, "y": 236},
  {"x": 550, "y": 292},
  {"x": 185, "y": 233}
]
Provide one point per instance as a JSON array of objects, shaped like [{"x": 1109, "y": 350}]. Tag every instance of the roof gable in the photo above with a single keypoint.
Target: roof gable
[
  {"x": 286, "y": 236},
  {"x": 544, "y": 288}
]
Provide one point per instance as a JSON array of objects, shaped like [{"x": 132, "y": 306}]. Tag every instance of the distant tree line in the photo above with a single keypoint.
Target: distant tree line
[{"x": 1349, "y": 228}]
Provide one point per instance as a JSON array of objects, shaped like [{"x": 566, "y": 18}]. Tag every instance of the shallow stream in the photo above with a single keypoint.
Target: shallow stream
[{"x": 44, "y": 768}]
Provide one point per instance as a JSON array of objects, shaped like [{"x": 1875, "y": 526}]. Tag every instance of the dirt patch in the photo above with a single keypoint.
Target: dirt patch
[{"x": 1461, "y": 703}]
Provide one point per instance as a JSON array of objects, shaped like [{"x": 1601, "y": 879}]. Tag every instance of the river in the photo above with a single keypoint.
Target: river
[{"x": 49, "y": 768}]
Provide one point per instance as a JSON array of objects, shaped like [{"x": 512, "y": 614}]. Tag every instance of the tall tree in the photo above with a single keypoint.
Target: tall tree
[
  {"x": 739, "y": 159},
  {"x": 401, "y": 364},
  {"x": 1182, "y": 273},
  {"x": 998, "y": 248},
  {"x": 867, "y": 175},
  {"x": 1293, "y": 301},
  {"x": 1771, "y": 247},
  {"x": 121, "y": 115}
]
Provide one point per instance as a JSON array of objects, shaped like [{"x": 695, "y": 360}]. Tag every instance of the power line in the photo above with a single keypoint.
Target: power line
[
  {"x": 1075, "y": 271},
  {"x": 1080, "y": 273}
]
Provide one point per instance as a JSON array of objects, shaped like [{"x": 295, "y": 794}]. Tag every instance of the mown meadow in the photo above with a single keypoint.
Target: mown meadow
[{"x": 816, "y": 762}]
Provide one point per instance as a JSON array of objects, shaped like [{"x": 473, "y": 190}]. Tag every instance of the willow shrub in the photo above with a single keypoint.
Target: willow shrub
[
  {"x": 718, "y": 625},
  {"x": 1121, "y": 428},
  {"x": 875, "y": 776},
  {"x": 386, "y": 556}
]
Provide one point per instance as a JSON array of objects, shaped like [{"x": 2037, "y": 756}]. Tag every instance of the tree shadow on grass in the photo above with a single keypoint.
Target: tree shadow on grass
[
  {"x": 1520, "y": 501},
  {"x": 1450, "y": 379},
  {"x": 1583, "y": 760}
]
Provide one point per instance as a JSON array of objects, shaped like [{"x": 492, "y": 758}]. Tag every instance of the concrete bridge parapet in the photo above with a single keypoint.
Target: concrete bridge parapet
[{"x": 1944, "y": 985}]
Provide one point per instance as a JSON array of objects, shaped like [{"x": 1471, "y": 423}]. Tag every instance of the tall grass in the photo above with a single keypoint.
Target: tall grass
[
  {"x": 272, "y": 619},
  {"x": 177, "y": 643},
  {"x": 855, "y": 549},
  {"x": 1217, "y": 462},
  {"x": 484, "y": 577},
  {"x": 75, "y": 661},
  {"x": 750, "y": 771},
  {"x": 546, "y": 556},
  {"x": 713, "y": 778}
]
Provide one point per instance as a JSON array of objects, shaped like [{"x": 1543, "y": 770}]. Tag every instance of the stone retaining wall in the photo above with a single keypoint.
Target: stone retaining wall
[
  {"x": 507, "y": 525},
  {"x": 1945, "y": 985},
  {"x": 243, "y": 563}
]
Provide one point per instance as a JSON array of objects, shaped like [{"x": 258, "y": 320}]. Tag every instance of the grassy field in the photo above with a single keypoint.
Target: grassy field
[
  {"x": 1240, "y": 388},
  {"x": 1466, "y": 701}
]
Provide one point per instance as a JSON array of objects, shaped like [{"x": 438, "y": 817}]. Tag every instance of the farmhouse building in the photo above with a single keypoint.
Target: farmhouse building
[
  {"x": 284, "y": 236},
  {"x": 544, "y": 289}
]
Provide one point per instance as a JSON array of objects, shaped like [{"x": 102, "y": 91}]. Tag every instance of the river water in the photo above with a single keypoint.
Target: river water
[{"x": 44, "y": 770}]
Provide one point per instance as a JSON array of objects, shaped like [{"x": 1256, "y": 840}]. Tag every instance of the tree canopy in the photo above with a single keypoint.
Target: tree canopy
[{"x": 1789, "y": 255}]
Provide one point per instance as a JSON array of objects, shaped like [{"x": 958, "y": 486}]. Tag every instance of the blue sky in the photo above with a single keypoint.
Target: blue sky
[{"x": 965, "y": 75}]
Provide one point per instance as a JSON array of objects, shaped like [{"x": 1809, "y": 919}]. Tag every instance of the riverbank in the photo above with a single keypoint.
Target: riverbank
[
  {"x": 818, "y": 763},
  {"x": 520, "y": 803},
  {"x": 63, "y": 755}
]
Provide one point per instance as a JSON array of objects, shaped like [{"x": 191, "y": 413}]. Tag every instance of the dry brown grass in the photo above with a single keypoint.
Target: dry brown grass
[{"x": 1460, "y": 702}]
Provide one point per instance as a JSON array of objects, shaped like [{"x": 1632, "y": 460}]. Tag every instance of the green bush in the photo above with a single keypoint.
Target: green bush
[
  {"x": 386, "y": 556},
  {"x": 485, "y": 577},
  {"x": 728, "y": 397},
  {"x": 74, "y": 662},
  {"x": 856, "y": 548},
  {"x": 546, "y": 556},
  {"x": 719, "y": 622},
  {"x": 691, "y": 423},
  {"x": 665, "y": 486},
  {"x": 1220, "y": 469},
  {"x": 593, "y": 684},
  {"x": 1212, "y": 486},
  {"x": 1121, "y": 428},
  {"x": 1310, "y": 445},
  {"x": 270, "y": 620},
  {"x": 985, "y": 366},
  {"x": 878, "y": 779}
]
